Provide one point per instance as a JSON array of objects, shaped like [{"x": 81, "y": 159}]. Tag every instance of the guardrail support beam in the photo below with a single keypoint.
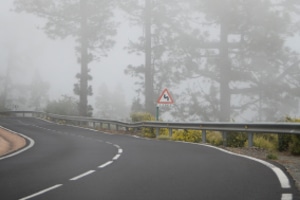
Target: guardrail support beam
[
  {"x": 157, "y": 132},
  {"x": 250, "y": 139},
  {"x": 224, "y": 136},
  {"x": 203, "y": 136},
  {"x": 170, "y": 132}
]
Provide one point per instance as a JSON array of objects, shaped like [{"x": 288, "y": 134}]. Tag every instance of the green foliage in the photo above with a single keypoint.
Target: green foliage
[
  {"x": 214, "y": 138},
  {"x": 293, "y": 140},
  {"x": 236, "y": 139},
  {"x": 187, "y": 135},
  {"x": 283, "y": 141},
  {"x": 143, "y": 116},
  {"x": 272, "y": 156},
  {"x": 295, "y": 145},
  {"x": 64, "y": 106},
  {"x": 266, "y": 141}
]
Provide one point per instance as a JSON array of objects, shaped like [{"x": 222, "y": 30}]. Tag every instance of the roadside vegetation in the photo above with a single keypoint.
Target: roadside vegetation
[{"x": 271, "y": 142}]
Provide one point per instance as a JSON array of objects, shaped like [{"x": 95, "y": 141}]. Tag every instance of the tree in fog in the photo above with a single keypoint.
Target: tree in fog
[
  {"x": 90, "y": 22},
  {"x": 111, "y": 104},
  {"x": 244, "y": 61},
  {"x": 38, "y": 90},
  {"x": 66, "y": 105},
  {"x": 159, "y": 20}
]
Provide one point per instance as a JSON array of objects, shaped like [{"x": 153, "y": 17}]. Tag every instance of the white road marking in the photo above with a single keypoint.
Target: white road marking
[
  {"x": 283, "y": 179},
  {"x": 42, "y": 192},
  {"x": 116, "y": 157},
  {"x": 286, "y": 197},
  {"x": 120, "y": 151},
  {"x": 31, "y": 144},
  {"x": 108, "y": 143},
  {"x": 117, "y": 146},
  {"x": 82, "y": 175},
  {"x": 105, "y": 164}
]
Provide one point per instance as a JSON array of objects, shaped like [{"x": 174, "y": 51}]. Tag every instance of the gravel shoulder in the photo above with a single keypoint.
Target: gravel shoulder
[{"x": 10, "y": 142}]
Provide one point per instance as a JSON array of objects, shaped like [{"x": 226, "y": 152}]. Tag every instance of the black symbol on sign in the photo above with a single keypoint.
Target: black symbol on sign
[{"x": 166, "y": 97}]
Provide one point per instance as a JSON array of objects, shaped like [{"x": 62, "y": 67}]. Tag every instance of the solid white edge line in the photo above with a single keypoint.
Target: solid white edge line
[
  {"x": 283, "y": 179},
  {"x": 116, "y": 157},
  {"x": 41, "y": 192},
  {"x": 105, "y": 164},
  {"x": 287, "y": 197},
  {"x": 82, "y": 175},
  {"x": 31, "y": 144}
]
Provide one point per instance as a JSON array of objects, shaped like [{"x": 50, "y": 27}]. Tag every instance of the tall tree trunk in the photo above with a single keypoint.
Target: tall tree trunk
[
  {"x": 83, "y": 96},
  {"x": 149, "y": 93},
  {"x": 224, "y": 73}
]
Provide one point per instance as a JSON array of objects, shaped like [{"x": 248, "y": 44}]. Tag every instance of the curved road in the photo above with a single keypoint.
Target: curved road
[{"x": 73, "y": 163}]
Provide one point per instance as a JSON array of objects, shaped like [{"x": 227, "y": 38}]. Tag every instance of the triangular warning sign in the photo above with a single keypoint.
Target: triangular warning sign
[{"x": 165, "y": 98}]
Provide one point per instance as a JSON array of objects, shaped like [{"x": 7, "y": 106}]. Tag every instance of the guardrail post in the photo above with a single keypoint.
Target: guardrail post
[
  {"x": 101, "y": 125},
  {"x": 224, "y": 136},
  {"x": 108, "y": 126},
  {"x": 117, "y": 127},
  {"x": 203, "y": 136},
  {"x": 170, "y": 132},
  {"x": 250, "y": 139},
  {"x": 94, "y": 125},
  {"x": 157, "y": 132}
]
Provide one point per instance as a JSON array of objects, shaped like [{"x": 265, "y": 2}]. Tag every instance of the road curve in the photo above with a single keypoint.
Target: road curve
[{"x": 74, "y": 163}]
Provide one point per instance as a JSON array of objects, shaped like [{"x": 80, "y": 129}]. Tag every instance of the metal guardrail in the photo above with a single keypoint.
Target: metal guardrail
[{"x": 250, "y": 128}]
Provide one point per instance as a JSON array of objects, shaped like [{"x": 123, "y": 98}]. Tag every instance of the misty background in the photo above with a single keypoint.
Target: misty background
[{"x": 39, "y": 73}]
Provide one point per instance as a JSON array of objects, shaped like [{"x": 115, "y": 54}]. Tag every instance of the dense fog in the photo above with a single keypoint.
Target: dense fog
[{"x": 222, "y": 60}]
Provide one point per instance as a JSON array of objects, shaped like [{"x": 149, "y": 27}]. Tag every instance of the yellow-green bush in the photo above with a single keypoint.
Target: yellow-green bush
[
  {"x": 293, "y": 140},
  {"x": 187, "y": 135},
  {"x": 214, "y": 138},
  {"x": 265, "y": 141}
]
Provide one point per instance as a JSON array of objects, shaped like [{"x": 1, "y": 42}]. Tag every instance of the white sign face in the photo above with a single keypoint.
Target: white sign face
[{"x": 165, "y": 98}]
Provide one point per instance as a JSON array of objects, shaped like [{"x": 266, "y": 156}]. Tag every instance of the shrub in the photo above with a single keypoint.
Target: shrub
[
  {"x": 293, "y": 140},
  {"x": 214, "y": 138},
  {"x": 283, "y": 142},
  {"x": 272, "y": 156},
  {"x": 268, "y": 142},
  {"x": 295, "y": 145},
  {"x": 236, "y": 139},
  {"x": 187, "y": 135},
  {"x": 143, "y": 116}
]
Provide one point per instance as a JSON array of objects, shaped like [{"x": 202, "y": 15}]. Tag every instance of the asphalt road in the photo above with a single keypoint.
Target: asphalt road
[{"x": 73, "y": 163}]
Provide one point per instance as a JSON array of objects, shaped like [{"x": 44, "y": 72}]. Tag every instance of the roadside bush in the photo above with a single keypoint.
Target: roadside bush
[
  {"x": 293, "y": 140},
  {"x": 268, "y": 142},
  {"x": 236, "y": 139},
  {"x": 295, "y": 145},
  {"x": 143, "y": 116},
  {"x": 187, "y": 135},
  {"x": 214, "y": 138},
  {"x": 283, "y": 142}
]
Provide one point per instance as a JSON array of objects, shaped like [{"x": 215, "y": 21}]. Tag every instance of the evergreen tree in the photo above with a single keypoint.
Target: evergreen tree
[{"x": 88, "y": 21}]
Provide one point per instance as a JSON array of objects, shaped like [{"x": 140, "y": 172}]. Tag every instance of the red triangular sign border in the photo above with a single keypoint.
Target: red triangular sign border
[{"x": 161, "y": 96}]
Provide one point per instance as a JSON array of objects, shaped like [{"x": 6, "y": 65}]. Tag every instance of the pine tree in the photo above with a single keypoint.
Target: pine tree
[{"x": 89, "y": 22}]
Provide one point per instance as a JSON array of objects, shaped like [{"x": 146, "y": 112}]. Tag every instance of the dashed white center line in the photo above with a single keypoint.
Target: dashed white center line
[
  {"x": 42, "y": 192},
  {"x": 105, "y": 164},
  {"x": 120, "y": 151},
  {"x": 82, "y": 175},
  {"x": 286, "y": 197},
  {"x": 116, "y": 157}
]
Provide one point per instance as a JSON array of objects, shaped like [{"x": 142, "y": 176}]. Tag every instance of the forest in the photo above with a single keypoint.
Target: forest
[{"x": 222, "y": 60}]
